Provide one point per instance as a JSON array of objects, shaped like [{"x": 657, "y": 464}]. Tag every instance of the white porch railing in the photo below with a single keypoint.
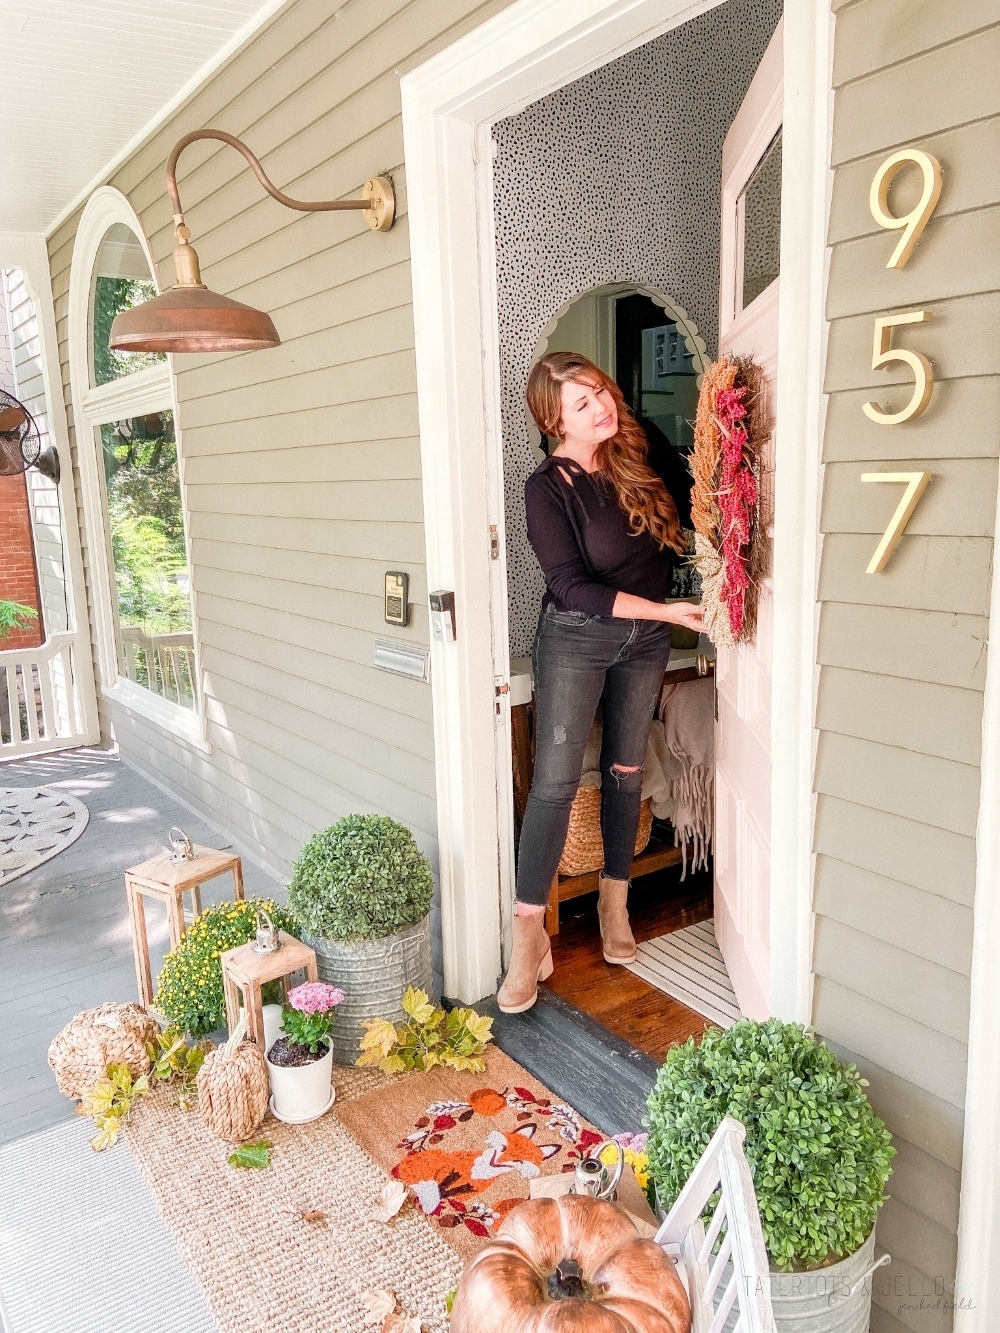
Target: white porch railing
[
  {"x": 164, "y": 663},
  {"x": 40, "y": 705}
]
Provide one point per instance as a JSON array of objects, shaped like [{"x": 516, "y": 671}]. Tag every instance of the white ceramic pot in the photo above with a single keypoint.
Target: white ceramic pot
[{"x": 300, "y": 1093}]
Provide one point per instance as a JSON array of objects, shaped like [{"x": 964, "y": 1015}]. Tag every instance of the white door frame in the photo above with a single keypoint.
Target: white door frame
[
  {"x": 977, "y": 1285},
  {"x": 29, "y": 253},
  {"x": 449, "y": 104}
]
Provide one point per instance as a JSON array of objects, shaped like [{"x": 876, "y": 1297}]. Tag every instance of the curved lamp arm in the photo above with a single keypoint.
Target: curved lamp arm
[
  {"x": 311, "y": 206},
  {"x": 378, "y": 202}
]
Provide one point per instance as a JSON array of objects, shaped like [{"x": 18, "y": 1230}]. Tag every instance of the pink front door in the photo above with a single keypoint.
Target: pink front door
[{"x": 748, "y": 325}]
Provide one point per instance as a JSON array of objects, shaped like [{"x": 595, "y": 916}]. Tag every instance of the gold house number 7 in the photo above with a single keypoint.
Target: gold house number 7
[{"x": 916, "y": 484}]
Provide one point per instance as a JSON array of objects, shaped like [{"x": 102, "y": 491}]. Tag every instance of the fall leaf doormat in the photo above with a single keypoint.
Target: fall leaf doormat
[{"x": 468, "y": 1145}]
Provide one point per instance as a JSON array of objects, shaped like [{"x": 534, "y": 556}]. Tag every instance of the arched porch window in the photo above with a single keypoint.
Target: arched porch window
[{"x": 131, "y": 477}]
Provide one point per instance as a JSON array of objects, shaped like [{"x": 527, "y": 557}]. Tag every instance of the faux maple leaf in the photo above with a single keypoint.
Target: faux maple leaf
[
  {"x": 391, "y": 1198},
  {"x": 379, "y": 1305}
]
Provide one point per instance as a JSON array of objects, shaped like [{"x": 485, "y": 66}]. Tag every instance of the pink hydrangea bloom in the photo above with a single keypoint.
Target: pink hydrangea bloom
[
  {"x": 315, "y": 997},
  {"x": 636, "y": 1142}
]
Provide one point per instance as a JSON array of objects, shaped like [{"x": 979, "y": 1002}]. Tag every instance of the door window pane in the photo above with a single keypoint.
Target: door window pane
[
  {"x": 156, "y": 643},
  {"x": 121, "y": 280},
  {"x": 761, "y": 202}
]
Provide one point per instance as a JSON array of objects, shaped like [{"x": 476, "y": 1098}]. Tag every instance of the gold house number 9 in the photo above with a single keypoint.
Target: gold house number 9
[{"x": 883, "y": 353}]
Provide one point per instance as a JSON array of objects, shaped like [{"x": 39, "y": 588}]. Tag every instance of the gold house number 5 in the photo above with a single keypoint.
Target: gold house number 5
[{"x": 916, "y": 484}]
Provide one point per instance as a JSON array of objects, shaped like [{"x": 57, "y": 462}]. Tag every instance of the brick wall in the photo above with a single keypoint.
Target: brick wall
[{"x": 18, "y": 572}]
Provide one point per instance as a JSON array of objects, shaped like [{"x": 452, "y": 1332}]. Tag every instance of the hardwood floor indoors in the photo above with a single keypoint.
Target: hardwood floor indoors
[{"x": 613, "y": 996}]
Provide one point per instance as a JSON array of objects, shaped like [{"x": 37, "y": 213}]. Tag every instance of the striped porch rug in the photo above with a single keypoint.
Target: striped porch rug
[{"x": 688, "y": 966}]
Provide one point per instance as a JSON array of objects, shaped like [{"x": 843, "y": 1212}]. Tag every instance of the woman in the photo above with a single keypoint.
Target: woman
[{"x": 606, "y": 532}]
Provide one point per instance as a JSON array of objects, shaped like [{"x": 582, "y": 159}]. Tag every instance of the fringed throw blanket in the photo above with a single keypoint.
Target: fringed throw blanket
[
  {"x": 685, "y": 738},
  {"x": 730, "y": 432}
]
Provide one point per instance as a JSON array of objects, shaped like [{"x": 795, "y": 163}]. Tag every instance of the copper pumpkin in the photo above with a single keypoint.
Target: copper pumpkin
[{"x": 572, "y": 1264}]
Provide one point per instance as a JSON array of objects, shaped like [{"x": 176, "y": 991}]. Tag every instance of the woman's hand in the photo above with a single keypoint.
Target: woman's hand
[
  {"x": 629, "y": 607},
  {"x": 686, "y": 614}
]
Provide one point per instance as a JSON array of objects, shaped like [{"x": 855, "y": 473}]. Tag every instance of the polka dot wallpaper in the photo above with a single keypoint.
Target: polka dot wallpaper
[{"x": 615, "y": 178}]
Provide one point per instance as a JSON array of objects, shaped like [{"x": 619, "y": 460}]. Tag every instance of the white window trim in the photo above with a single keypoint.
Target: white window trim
[
  {"x": 148, "y": 390},
  {"x": 449, "y": 103}
]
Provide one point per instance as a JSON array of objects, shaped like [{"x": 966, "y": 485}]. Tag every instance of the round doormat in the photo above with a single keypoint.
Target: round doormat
[{"x": 36, "y": 823}]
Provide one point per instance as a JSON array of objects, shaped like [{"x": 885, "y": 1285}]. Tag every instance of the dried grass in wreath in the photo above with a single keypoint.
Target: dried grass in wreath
[{"x": 730, "y": 545}]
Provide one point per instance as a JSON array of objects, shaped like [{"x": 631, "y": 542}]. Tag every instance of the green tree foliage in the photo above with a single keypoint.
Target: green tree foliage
[
  {"x": 147, "y": 528},
  {"x": 14, "y": 616},
  {"x": 818, "y": 1152},
  {"x": 111, "y": 297}
]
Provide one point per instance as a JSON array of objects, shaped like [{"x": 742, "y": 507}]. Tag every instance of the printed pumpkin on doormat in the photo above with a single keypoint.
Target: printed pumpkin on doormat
[{"x": 469, "y": 1145}]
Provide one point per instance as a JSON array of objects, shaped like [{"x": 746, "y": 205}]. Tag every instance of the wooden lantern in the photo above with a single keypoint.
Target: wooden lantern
[{"x": 245, "y": 971}]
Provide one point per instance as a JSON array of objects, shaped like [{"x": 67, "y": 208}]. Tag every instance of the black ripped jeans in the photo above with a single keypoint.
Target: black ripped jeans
[{"x": 581, "y": 661}]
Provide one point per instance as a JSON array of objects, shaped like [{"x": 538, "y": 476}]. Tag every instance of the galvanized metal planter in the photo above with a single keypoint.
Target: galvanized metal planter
[
  {"x": 835, "y": 1299},
  {"x": 374, "y": 975}
]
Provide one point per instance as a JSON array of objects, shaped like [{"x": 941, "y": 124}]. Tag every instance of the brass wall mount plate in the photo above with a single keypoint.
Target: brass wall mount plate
[{"x": 382, "y": 213}]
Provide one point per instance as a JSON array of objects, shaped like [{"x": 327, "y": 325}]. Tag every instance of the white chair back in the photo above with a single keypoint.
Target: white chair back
[{"x": 728, "y": 1274}]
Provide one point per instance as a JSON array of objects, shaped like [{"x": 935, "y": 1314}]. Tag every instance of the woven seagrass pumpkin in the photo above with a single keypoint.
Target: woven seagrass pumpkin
[
  {"x": 96, "y": 1038},
  {"x": 572, "y": 1264},
  {"x": 233, "y": 1089}
]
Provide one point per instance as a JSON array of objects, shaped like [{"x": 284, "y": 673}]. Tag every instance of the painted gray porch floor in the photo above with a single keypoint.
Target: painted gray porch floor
[{"x": 65, "y": 943}]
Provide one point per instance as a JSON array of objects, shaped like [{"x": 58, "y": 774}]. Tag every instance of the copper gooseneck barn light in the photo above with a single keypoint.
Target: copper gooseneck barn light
[{"x": 189, "y": 317}]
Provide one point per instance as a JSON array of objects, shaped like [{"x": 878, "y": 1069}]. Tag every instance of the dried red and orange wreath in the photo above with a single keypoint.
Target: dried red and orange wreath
[{"x": 730, "y": 433}]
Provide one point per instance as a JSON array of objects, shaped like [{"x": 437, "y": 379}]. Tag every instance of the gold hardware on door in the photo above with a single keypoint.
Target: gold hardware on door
[
  {"x": 916, "y": 484},
  {"x": 494, "y": 542}
]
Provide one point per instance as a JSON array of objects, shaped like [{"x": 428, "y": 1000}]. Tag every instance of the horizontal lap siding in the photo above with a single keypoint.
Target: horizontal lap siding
[
  {"x": 902, "y": 654},
  {"x": 302, "y": 463}
]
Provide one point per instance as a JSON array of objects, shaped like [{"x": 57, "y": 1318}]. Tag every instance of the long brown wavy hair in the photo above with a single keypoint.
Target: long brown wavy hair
[{"x": 622, "y": 459}]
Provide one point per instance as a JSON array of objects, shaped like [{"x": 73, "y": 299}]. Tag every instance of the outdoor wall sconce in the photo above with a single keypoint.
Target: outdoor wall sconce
[{"x": 189, "y": 317}]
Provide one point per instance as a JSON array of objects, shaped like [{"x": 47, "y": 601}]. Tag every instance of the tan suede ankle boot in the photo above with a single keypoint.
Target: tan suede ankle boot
[
  {"x": 530, "y": 963},
  {"x": 612, "y": 912}
]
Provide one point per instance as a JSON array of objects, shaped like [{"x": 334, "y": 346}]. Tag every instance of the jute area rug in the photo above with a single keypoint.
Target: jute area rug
[{"x": 263, "y": 1268}]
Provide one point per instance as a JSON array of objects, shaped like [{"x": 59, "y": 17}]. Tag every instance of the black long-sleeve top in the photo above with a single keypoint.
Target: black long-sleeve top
[{"x": 581, "y": 536}]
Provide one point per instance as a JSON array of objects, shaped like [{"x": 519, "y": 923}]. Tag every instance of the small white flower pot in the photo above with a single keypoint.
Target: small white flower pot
[{"x": 301, "y": 1093}]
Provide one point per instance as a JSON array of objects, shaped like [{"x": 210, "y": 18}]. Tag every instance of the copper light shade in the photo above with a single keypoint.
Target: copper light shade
[
  {"x": 189, "y": 317},
  {"x": 192, "y": 319}
]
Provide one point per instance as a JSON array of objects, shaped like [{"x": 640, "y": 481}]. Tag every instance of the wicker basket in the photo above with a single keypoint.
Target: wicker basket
[{"x": 584, "y": 848}]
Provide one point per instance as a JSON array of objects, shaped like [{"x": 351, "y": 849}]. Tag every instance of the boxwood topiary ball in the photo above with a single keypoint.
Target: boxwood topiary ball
[
  {"x": 818, "y": 1153},
  {"x": 361, "y": 879}
]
